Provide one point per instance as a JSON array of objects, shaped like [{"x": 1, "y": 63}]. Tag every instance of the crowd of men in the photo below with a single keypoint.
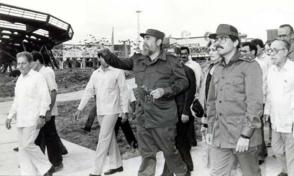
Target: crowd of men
[{"x": 242, "y": 87}]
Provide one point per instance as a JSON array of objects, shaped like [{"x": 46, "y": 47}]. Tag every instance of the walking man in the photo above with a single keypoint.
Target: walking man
[
  {"x": 279, "y": 104},
  {"x": 159, "y": 78},
  {"x": 48, "y": 136},
  {"x": 234, "y": 107},
  {"x": 109, "y": 86},
  {"x": 30, "y": 104}
]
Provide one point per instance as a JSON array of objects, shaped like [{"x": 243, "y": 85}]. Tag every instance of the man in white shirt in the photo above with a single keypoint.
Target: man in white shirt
[
  {"x": 31, "y": 102},
  {"x": 48, "y": 136},
  {"x": 280, "y": 104},
  {"x": 109, "y": 86}
]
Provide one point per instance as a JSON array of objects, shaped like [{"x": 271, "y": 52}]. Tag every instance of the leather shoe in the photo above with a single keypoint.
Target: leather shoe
[
  {"x": 112, "y": 171},
  {"x": 58, "y": 167},
  {"x": 94, "y": 175},
  {"x": 15, "y": 149}
]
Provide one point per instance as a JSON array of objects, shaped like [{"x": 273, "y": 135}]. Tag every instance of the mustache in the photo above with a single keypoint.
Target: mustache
[
  {"x": 145, "y": 46},
  {"x": 219, "y": 46}
]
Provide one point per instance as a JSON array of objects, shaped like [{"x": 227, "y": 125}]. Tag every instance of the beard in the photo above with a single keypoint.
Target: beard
[{"x": 146, "y": 50}]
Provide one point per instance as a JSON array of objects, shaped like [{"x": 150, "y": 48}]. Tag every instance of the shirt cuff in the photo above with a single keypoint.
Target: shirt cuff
[
  {"x": 247, "y": 131},
  {"x": 167, "y": 91},
  {"x": 43, "y": 112}
]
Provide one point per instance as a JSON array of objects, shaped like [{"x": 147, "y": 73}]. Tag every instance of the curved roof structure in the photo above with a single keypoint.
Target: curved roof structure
[{"x": 23, "y": 29}]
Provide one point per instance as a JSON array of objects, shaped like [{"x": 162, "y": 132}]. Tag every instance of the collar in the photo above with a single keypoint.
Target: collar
[
  {"x": 286, "y": 67},
  {"x": 109, "y": 68},
  {"x": 28, "y": 74},
  {"x": 237, "y": 57},
  {"x": 42, "y": 68},
  {"x": 162, "y": 56}
]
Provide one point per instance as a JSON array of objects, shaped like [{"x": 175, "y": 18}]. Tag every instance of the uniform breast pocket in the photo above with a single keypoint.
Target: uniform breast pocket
[
  {"x": 235, "y": 88},
  {"x": 139, "y": 72}
]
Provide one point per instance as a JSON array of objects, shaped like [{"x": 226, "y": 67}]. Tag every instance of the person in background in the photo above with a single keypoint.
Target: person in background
[
  {"x": 286, "y": 32},
  {"x": 265, "y": 62},
  {"x": 279, "y": 105},
  {"x": 48, "y": 136},
  {"x": 185, "y": 119}
]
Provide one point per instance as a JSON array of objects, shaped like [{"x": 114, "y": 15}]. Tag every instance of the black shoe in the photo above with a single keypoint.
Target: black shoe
[
  {"x": 50, "y": 171},
  {"x": 64, "y": 151},
  {"x": 58, "y": 167},
  {"x": 260, "y": 162},
  {"x": 283, "y": 174},
  {"x": 87, "y": 130},
  {"x": 112, "y": 171},
  {"x": 94, "y": 175},
  {"x": 15, "y": 149}
]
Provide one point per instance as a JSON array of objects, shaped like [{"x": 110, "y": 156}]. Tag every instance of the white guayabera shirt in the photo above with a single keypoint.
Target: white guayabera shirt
[
  {"x": 49, "y": 76},
  {"x": 31, "y": 99},
  {"x": 110, "y": 89},
  {"x": 280, "y": 97}
]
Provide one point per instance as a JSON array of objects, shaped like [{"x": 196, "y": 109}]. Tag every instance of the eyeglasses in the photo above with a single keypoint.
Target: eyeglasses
[
  {"x": 274, "y": 51},
  {"x": 282, "y": 35},
  {"x": 222, "y": 38}
]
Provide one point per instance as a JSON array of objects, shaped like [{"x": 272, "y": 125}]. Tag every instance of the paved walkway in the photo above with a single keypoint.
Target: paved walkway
[{"x": 79, "y": 161}]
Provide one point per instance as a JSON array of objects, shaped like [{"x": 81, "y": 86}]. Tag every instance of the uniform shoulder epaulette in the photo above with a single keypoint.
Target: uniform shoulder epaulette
[{"x": 247, "y": 58}]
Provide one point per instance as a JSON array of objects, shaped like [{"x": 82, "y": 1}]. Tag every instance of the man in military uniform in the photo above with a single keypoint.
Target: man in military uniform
[
  {"x": 234, "y": 107},
  {"x": 159, "y": 78}
]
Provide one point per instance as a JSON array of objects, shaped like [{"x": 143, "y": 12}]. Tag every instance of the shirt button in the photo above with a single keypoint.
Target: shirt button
[
  {"x": 220, "y": 101},
  {"x": 220, "y": 114},
  {"x": 223, "y": 77},
  {"x": 221, "y": 89}
]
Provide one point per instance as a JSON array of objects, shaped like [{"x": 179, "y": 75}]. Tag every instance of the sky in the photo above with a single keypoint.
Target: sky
[{"x": 97, "y": 17}]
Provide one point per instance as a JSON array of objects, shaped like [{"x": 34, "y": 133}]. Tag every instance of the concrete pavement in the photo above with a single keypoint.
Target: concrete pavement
[{"x": 79, "y": 161}]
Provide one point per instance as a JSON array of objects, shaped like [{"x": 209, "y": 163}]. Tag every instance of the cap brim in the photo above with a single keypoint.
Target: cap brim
[
  {"x": 143, "y": 35},
  {"x": 212, "y": 36}
]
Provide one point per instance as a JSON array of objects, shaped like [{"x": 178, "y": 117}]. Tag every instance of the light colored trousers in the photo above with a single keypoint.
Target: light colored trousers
[
  {"x": 107, "y": 144},
  {"x": 32, "y": 160},
  {"x": 283, "y": 148},
  {"x": 223, "y": 161}
]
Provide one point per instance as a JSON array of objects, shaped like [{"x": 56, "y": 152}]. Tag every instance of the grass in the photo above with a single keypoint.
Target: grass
[
  {"x": 70, "y": 129},
  {"x": 67, "y": 80}
]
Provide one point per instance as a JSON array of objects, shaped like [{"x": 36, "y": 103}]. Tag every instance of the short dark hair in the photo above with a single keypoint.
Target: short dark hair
[
  {"x": 286, "y": 43},
  {"x": 258, "y": 42},
  {"x": 25, "y": 54},
  {"x": 234, "y": 38},
  {"x": 287, "y": 25},
  {"x": 185, "y": 48},
  {"x": 38, "y": 56},
  {"x": 251, "y": 46}
]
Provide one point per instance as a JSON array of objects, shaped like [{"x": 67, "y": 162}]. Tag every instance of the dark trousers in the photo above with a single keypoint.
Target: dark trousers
[
  {"x": 192, "y": 136},
  {"x": 48, "y": 137},
  {"x": 91, "y": 118},
  {"x": 128, "y": 132},
  {"x": 183, "y": 144},
  {"x": 262, "y": 149},
  {"x": 152, "y": 140}
]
